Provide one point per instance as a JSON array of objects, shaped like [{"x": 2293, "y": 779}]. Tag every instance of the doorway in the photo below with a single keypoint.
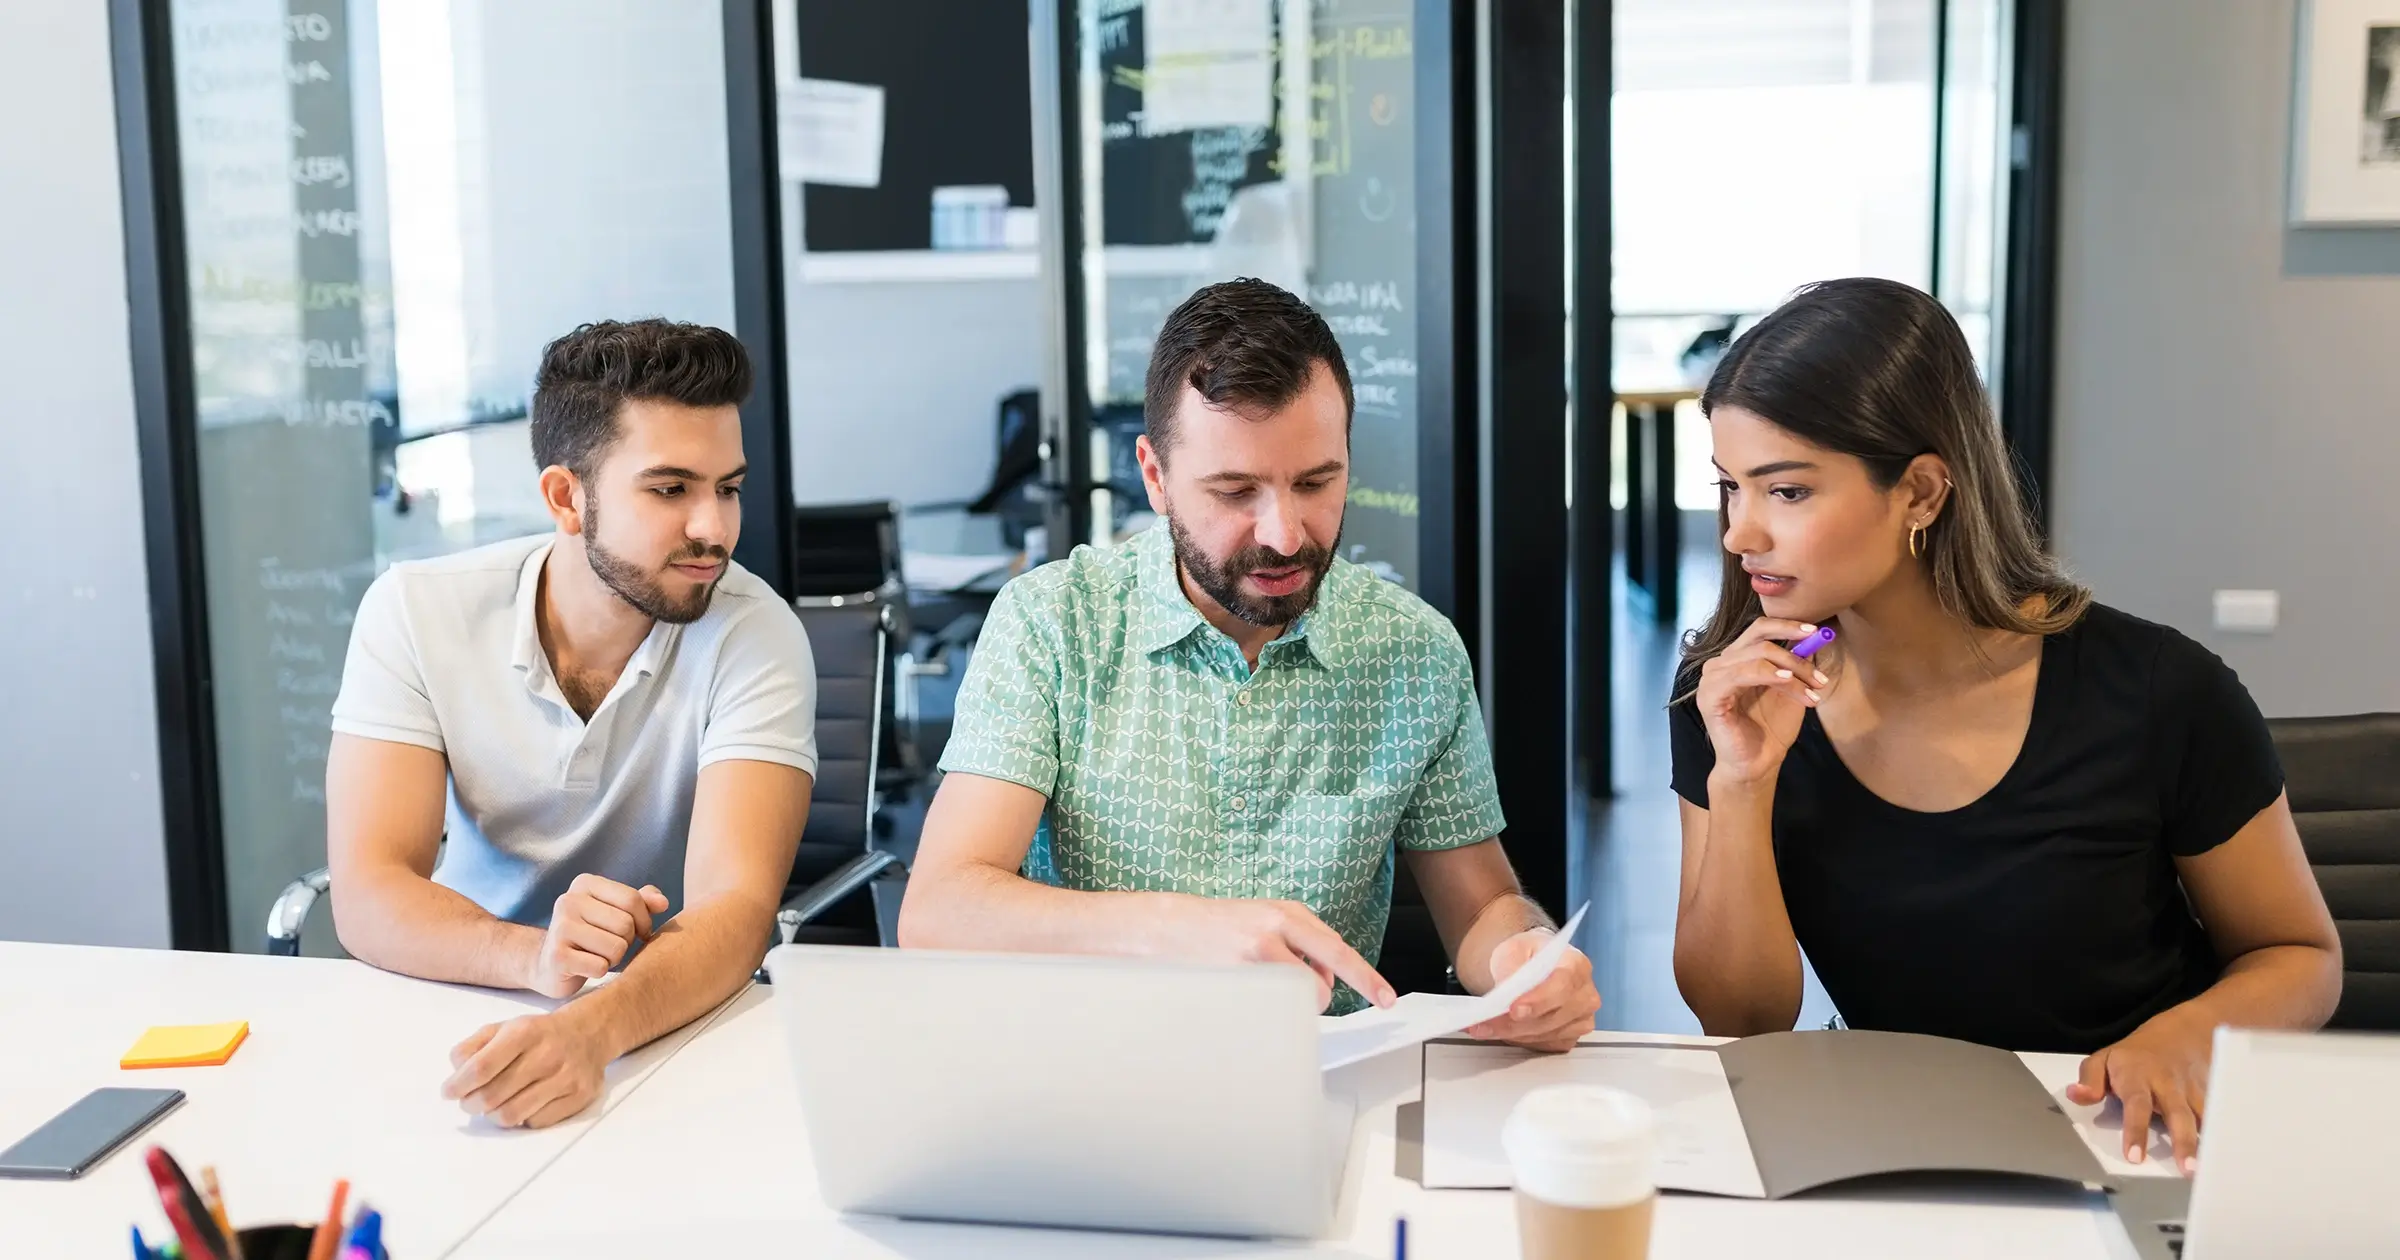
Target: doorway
[{"x": 1754, "y": 146}]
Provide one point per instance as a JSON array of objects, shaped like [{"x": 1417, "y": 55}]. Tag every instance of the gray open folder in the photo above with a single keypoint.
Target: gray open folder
[{"x": 1772, "y": 1115}]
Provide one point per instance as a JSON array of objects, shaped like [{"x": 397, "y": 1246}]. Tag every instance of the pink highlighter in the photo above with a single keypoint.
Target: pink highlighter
[{"x": 1807, "y": 647}]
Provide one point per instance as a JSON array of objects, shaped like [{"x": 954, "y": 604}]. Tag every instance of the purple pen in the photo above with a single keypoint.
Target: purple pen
[{"x": 1807, "y": 647}]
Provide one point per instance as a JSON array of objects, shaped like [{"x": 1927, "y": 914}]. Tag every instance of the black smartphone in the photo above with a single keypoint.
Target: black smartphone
[{"x": 77, "y": 1139}]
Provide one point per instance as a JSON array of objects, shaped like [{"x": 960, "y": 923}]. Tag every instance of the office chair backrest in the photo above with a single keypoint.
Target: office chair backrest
[
  {"x": 845, "y": 549},
  {"x": 2343, "y": 775},
  {"x": 1123, "y": 424},
  {"x": 848, "y": 643},
  {"x": 1013, "y": 495}
]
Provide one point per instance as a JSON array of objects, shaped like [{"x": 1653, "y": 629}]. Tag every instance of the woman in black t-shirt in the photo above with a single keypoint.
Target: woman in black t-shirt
[{"x": 1990, "y": 808}]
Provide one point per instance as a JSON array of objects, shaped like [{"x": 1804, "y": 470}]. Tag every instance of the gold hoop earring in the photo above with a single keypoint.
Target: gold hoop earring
[{"x": 1916, "y": 542}]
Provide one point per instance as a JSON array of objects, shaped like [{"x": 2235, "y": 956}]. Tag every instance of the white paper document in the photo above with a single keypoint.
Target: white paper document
[
  {"x": 1469, "y": 1090},
  {"x": 937, "y": 571},
  {"x": 1207, "y": 63},
  {"x": 1421, "y": 1017},
  {"x": 830, "y": 132}
]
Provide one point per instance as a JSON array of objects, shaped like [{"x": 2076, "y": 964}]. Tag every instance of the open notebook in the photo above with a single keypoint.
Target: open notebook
[{"x": 1771, "y": 1115}]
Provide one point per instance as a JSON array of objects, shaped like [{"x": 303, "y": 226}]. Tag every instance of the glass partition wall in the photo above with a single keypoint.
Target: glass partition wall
[
  {"x": 370, "y": 216},
  {"x": 1267, "y": 138}
]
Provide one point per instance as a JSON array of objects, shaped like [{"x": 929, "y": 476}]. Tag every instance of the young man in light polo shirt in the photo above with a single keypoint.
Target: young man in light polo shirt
[
  {"x": 1208, "y": 743},
  {"x": 613, "y": 724}
]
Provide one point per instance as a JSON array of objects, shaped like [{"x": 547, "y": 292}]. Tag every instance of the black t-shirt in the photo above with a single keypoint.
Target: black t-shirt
[{"x": 2046, "y": 915}]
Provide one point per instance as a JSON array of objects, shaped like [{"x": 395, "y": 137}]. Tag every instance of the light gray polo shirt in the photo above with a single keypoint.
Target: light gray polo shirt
[{"x": 445, "y": 655}]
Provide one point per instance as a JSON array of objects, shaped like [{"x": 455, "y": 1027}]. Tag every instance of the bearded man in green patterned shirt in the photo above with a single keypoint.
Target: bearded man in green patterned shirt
[{"x": 1212, "y": 742}]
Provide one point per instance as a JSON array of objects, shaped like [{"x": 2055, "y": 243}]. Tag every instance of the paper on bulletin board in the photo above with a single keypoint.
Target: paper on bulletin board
[
  {"x": 830, "y": 132},
  {"x": 1208, "y": 63}
]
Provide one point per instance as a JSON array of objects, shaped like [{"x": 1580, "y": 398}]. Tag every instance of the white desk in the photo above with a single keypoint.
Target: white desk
[
  {"x": 341, "y": 1076},
  {"x": 710, "y": 1159},
  {"x": 698, "y": 1148}
]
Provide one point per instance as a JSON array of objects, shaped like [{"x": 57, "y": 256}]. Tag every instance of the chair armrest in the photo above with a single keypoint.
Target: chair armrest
[
  {"x": 289, "y": 914},
  {"x": 848, "y": 878}
]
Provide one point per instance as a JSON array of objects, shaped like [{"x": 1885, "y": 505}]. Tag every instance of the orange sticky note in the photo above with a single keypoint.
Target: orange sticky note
[{"x": 187, "y": 1045}]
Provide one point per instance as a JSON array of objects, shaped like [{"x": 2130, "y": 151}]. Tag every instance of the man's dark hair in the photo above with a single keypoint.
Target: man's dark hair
[
  {"x": 587, "y": 375},
  {"x": 1245, "y": 345}
]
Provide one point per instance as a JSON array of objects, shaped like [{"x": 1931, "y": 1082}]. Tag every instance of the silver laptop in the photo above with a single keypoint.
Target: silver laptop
[
  {"x": 2297, "y": 1157},
  {"x": 1087, "y": 1092}
]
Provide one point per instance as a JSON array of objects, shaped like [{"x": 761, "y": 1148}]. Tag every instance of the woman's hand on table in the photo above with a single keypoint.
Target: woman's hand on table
[{"x": 2161, "y": 1070}]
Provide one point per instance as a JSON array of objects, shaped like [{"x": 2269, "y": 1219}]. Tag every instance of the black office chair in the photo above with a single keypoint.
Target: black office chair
[
  {"x": 837, "y": 856},
  {"x": 1123, "y": 424},
  {"x": 847, "y": 555},
  {"x": 2343, "y": 775},
  {"x": 846, "y": 551},
  {"x": 1015, "y": 496},
  {"x": 847, "y": 588}
]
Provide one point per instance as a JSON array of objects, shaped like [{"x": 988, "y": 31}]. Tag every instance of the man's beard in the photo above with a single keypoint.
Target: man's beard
[
  {"x": 1223, "y": 582},
  {"x": 640, "y": 587}
]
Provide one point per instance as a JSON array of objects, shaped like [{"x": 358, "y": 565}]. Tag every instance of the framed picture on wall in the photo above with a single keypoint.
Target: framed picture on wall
[{"x": 2346, "y": 115}]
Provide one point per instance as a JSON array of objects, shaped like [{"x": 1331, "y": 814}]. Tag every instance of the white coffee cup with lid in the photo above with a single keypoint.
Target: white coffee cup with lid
[{"x": 1584, "y": 1163}]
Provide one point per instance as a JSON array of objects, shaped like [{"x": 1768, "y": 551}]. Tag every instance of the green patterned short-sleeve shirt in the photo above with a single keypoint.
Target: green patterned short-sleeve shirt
[{"x": 1171, "y": 766}]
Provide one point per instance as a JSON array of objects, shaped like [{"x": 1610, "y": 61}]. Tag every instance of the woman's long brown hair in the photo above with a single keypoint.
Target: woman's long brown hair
[{"x": 1876, "y": 369}]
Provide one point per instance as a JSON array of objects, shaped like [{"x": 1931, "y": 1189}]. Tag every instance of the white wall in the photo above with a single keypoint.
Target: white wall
[
  {"x": 82, "y": 851},
  {"x": 604, "y": 150},
  {"x": 896, "y": 385},
  {"x": 2228, "y": 392},
  {"x": 553, "y": 163}
]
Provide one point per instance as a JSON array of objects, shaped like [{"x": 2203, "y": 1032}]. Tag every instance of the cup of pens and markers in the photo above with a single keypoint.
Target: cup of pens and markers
[{"x": 203, "y": 1229}]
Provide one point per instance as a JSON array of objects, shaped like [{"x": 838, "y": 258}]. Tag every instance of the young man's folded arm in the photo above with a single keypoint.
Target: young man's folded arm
[
  {"x": 757, "y": 767},
  {"x": 746, "y": 822}
]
